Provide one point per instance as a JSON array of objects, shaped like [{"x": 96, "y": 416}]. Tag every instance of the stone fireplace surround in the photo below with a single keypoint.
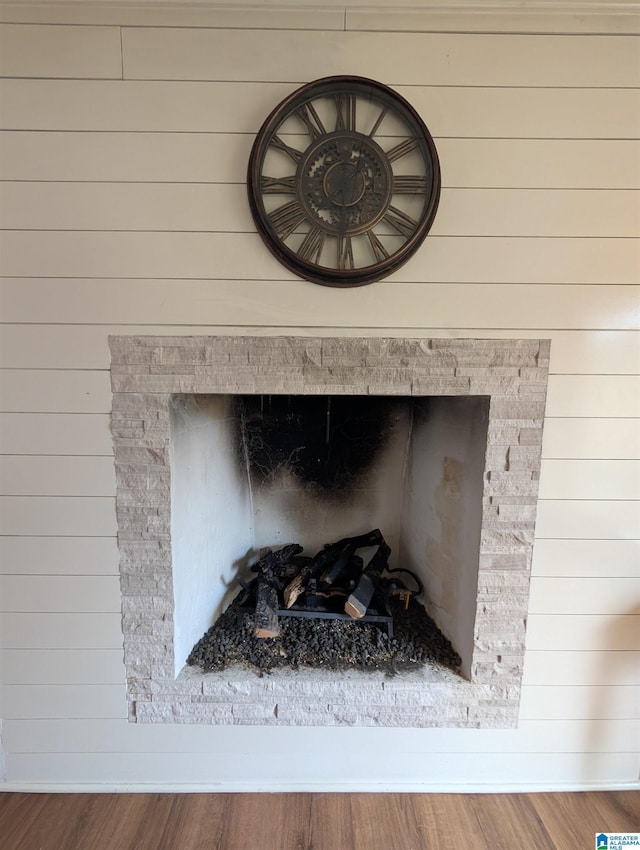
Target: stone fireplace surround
[{"x": 147, "y": 371}]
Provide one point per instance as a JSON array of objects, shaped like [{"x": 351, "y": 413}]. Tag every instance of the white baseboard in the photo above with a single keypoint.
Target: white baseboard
[{"x": 308, "y": 788}]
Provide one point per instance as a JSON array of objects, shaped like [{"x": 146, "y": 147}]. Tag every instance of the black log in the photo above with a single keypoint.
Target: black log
[
  {"x": 357, "y": 604},
  {"x": 345, "y": 549},
  {"x": 325, "y": 560},
  {"x": 270, "y": 566},
  {"x": 330, "y": 575},
  {"x": 266, "y": 617},
  {"x": 313, "y": 569},
  {"x": 272, "y": 563}
]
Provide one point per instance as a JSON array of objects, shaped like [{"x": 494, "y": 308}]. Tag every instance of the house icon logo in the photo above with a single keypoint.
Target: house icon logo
[{"x": 602, "y": 842}]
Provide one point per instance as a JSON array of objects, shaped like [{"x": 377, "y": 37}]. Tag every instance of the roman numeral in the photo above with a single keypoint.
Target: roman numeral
[
  {"x": 345, "y": 253},
  {"x": 312, "y": 244},
  {"x": 277, "y": 143},
  {"x": 286, "y": 218},
  {"x": 379, "y": 251},
  {"x": 402, "y": 149},
  {"x": 375, "y": 127},
  {"x": 401, "y": 221},
  {"x": 346, "y": 112},
  {"x": 309, "y": 117},
  {"x": 414, "y": 184},
  {"x": 278, "y": 185}
]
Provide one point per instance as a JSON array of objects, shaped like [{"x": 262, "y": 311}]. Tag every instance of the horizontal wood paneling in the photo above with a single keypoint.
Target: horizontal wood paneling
[
  {"x": 60, "y": 631},
  {"x": 37, "y": 346},
  {"x": 587, "y": 519},
  {"x": 591, "y": 438},
  {"x": 222, "y": 158},
  {"x": 247, "y": 15},
  {"x": 242, "y": 256},
  {"x": 408, "y": 771},
  {"x": 522, "y": 19},
  {"x": 595, "y": 479},
  {"x": 582, "y": 668},
  {"x": 538, "y": 212},
  {"x": 444, "y": 59},
  {"x": 59, "y": 51},
  {"x": 533, "y": 736},
  {"x": 588, "y": 395},
  {"x": 585, "y": 632},
  {"x": 56, "y": 433},
  {"x": 58, "y": 346},
  {"x": 139, "y": 106},
  {"x": 30, "y": 556},
  {"x": 292, "y": 303},
  {"x": 62, "y": 666},
  {"x": 543, "y": 163},
  {"x": 467, "y": 112},
  {"x": 137, "y": 157},
  {"x": 601, "y": 353},
  {"x": 48, "y": 701},
  {"x": 586, "y": 558},
  {"x": 606, "y": 595},
  {"x": 67, "y": 391},
  {"x": 45, "y": 475},
  {"x": 223, "y": 207},
  {"x": 374, "y": 16},
  {"x": 586, "y": 703},
  {"x": 28, "y": 594},
  {"x": 52, "y": 515}
]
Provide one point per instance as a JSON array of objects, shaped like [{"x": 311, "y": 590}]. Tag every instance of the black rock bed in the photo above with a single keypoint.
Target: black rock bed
[{"x": 326, "y": 644}]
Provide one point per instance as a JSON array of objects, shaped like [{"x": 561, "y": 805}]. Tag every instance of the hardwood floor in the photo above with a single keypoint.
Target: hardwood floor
[{"x": 566, "y": 821}]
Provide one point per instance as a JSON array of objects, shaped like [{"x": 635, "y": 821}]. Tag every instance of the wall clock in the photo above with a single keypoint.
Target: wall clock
[{"x": 343, "y": 181}]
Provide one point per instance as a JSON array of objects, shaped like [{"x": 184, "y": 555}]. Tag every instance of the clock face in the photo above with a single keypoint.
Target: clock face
[{"x": 343, "y": 181}]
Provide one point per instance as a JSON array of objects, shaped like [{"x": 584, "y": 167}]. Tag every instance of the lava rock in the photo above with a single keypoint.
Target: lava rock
[{"x": 328, "y": 644}]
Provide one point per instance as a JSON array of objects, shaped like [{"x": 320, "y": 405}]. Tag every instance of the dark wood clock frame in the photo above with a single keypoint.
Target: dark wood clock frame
[{"x": 339, "y": 216}]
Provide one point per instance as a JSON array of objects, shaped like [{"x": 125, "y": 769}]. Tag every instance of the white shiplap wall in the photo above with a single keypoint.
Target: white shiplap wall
[{"x": 123, "y": 153}]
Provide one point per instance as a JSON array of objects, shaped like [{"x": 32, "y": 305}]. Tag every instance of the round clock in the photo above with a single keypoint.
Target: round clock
[{"x": 343, "y": 181}]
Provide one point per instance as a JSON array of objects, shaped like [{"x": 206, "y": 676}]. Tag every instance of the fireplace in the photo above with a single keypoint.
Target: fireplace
[
  {"x": 456, "y": 485},
  {"x": 272, "y": 470}
]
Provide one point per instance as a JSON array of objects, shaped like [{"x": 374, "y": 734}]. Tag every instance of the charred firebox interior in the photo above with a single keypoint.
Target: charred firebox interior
[{"x": 326, "y": 531}]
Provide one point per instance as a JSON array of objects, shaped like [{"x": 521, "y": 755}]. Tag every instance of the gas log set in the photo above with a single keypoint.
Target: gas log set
[
  {"x": 328, "y": 610},
  {"x": 330, "y": 585}
]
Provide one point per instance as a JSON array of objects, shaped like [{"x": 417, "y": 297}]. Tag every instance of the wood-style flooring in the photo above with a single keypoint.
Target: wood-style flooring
[{"x": 567, "y": 821}]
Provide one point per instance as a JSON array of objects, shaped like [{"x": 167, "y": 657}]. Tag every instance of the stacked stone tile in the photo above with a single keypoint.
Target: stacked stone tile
[{"x": 147, "y": 371}]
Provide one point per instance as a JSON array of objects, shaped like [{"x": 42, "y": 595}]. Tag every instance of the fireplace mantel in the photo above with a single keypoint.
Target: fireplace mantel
[{"x": 148, "y": 371}]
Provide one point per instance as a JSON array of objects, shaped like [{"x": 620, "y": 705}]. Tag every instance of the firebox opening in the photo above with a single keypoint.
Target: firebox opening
[{"x": 249, "y": 472}]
